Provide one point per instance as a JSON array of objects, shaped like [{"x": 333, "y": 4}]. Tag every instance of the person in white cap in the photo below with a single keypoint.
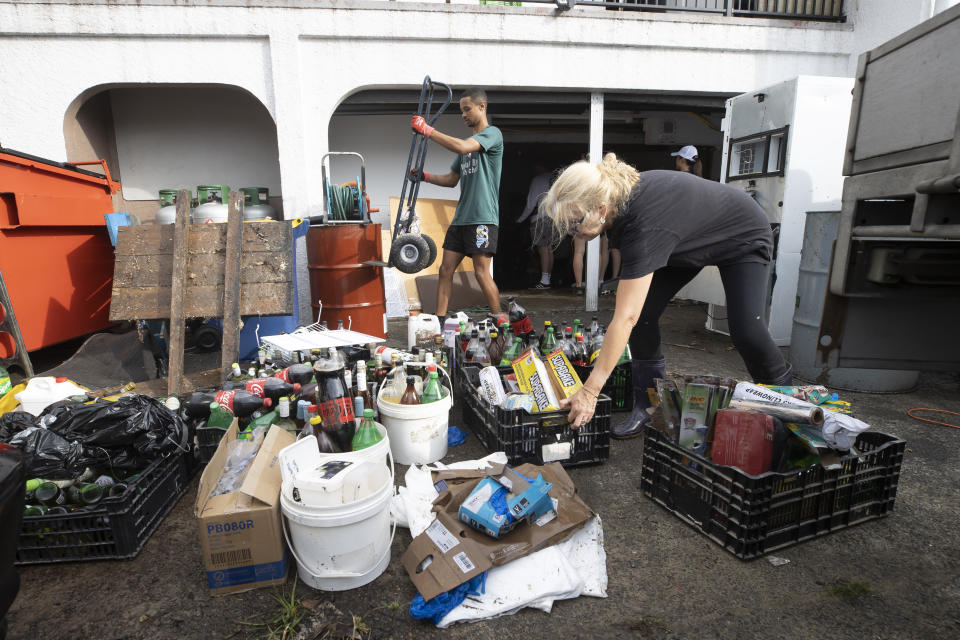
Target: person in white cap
[{"x": 688, "y": 159}]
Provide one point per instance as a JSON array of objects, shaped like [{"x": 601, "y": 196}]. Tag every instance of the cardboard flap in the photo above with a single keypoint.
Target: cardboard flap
[
  {"x": 263, "y": 478},
  {"x": 211, "y": 473}
]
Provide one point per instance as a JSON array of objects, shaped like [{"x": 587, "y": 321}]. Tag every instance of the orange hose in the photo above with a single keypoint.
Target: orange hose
[{"x": 946, "y": 424}]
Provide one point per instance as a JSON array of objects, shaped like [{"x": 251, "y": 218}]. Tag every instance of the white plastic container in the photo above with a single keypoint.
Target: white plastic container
[
  {"x": 418, "y": 432},
  {"x": 44, "y": 391},
  {"x": 336, "y": 511},
  {"x": 421, "y": 329}
]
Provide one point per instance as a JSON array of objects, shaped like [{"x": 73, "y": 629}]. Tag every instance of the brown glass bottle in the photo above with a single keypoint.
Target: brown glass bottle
[{"x": 410, "y": 395}]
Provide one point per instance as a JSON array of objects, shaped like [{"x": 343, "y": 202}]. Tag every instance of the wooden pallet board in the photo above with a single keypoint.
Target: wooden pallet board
[{"x": 142, "y": 282}]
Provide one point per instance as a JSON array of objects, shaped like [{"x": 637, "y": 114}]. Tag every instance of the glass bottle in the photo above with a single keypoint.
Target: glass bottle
[
  {"x": 85, "y": 494},
  {"x": 325, "y": 443},
  {"x": 283, "y": 419},
  {"x": 547, "y": 326},
  {"x": 367, "y": 434},
  {"x": 410, "y": 395},
  {"x": 218, "y": 417}
]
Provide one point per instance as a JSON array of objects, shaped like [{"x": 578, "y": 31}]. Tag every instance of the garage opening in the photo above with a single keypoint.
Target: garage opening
[
  {"x": 175, "y": 137},
  {"x": 550, "y": 127}
]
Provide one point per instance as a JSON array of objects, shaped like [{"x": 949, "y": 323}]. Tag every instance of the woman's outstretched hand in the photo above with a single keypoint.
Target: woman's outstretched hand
[{"x": 582, "y": 405}]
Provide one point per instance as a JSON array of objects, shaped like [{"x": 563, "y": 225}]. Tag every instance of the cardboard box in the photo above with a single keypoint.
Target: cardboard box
[
  {"x": 563, "y": 376},
  {"x": 533, "y": 380},
  {"x": 240, "y": 532},
  {"x": 449, "y": 552},
  {"x": 525, "y": 502}
]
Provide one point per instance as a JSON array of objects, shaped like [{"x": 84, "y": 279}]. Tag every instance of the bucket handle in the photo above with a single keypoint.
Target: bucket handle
[{"x": 439, "y": 368}]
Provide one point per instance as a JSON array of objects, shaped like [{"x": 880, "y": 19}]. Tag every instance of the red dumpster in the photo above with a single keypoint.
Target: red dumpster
[{"x": 55, "y": 254}]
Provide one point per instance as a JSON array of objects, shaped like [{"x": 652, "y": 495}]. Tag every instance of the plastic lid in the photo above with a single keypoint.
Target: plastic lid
[
  {"x": 214, "y": 405},
  {"x": 316, "y": 420},
  {"x": 368, "y": 413}
]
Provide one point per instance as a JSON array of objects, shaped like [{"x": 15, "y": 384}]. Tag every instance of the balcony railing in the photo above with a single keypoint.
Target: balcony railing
[{"x": 831, "y": 10}]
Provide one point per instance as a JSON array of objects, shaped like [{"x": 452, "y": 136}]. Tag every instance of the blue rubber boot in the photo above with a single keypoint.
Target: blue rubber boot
[{"x": 644, "y": 373}]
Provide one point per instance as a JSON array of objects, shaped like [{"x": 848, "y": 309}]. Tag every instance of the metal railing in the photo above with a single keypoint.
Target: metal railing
[{"x": 830, "y": 10}]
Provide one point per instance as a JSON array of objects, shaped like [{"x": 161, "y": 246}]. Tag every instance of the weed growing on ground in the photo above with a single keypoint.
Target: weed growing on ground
[
  {"x": 850, "y": 591},
  {"x": 285, "y": 620}
]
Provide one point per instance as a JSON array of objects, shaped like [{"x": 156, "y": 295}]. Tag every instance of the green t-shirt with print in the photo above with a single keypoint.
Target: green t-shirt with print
[{"x": 480, "y": 180}]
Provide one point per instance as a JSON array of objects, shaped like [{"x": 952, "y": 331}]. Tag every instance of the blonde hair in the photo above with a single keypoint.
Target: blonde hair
[{"x": 582, "y": 187}]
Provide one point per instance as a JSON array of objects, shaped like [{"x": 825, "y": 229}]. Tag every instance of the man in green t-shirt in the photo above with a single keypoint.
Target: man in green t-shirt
[{"x": 473, "y": 231}]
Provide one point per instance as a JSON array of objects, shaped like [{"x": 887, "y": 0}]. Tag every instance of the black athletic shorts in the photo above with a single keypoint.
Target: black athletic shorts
[{"x": 471, "y": 238}]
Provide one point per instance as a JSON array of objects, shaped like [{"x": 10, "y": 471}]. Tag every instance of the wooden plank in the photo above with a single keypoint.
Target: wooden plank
[
  {"x": 231, "y": 281},
  {"x": 189, "y": 382},
  {"x": 177, "y": 318},
  {"x": 157, "y": 239},
  {"x": 148, "y": 303},
  {"x": 202, "y": 270}
]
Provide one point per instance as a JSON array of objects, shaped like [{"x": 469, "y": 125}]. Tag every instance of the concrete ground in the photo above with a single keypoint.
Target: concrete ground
[{"x": 897, "y": 577}]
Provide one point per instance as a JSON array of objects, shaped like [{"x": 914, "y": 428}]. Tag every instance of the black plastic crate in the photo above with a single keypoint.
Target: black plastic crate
[
  {"x": 208, "y": 439},
  {"x": 750, "y": 516},
  {"x": 619, "y": 386},
  {"x": 118, "y": 528},
  {"x": 522, "y": 435}
]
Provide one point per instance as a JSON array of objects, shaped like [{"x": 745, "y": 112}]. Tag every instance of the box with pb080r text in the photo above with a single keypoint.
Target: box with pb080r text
[{"x": 240, "y": 531}]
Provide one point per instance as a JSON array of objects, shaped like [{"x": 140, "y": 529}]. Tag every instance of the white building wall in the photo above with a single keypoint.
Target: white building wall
[{"x": 300, "y": 60}]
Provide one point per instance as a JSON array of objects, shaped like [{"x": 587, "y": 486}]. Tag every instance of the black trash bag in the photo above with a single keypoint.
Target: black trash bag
[
  {"x": 13, "y": 422},
  {"x": 48, "y": 455},
  {"x": 141, "y": 426}
]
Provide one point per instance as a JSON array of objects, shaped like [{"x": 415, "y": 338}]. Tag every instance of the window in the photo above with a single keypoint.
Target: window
[{"x": 762, "y": 154}]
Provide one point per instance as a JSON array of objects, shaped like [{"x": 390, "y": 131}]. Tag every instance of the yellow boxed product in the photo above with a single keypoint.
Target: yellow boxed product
[
  {"x": 532, "y": 379},
  {"x": 562, "y": 375}
]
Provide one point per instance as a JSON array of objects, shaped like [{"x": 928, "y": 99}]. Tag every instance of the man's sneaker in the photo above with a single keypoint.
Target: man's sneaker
[{"x": 540, "y": 285}]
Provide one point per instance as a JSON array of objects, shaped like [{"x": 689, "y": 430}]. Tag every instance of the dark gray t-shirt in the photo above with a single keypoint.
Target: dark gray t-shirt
[{"x": 675, "y": 218}]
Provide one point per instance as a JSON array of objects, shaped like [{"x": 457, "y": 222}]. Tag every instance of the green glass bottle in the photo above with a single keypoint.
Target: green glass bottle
[
  {"x": 85, "y": 494},
  {"x": 50, "y": 494},
  {"x": 219, "y": 417},
  {"x": 432, "y": 391},
  {"x": 367, "y": 433},
  {"x": 35, "y": 510},
  {"x": 283, "y": 419},
  {"x": 627, "y": 356},
  {"x": 237, "y": 374},
  {"x": 576, "y": 326}
]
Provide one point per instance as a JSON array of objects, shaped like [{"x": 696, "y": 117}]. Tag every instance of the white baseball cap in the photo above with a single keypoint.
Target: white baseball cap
[{"x": 688, "y": 152}]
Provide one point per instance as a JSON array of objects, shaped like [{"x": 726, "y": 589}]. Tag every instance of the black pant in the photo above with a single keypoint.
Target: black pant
[{"x": 745, "y": 285}]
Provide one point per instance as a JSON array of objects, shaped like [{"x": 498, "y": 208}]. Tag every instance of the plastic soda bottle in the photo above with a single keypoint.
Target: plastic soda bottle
[
  {"x": 519, "y": 320},
  {"x": 431, "y": 392},
  {"x": 367, "y": 433},
  {"x": 5, "y": 384}
]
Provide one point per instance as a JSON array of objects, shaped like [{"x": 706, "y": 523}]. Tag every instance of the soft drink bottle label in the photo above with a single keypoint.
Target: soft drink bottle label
[
  {"x": 336, "y": 411},
  {"x": 225, "y": 400},
  {"x": 256, "y": 387}
]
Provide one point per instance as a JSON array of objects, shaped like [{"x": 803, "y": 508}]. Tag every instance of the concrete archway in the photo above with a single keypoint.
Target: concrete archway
[{"x": 157, "y": 136}]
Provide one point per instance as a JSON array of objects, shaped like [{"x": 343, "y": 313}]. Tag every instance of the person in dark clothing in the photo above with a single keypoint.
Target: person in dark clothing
[{"x": 668, "y": 225}]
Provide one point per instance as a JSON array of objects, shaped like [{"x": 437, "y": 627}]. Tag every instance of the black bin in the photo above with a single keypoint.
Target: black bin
[{"x": 12, "y": 479}]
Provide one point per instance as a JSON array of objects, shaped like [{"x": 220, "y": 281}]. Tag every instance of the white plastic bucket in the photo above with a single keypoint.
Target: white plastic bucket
[
  {"x": 337, "y": 546},
  {"x": 340, "y": 547},
  {"x": 418, "y": 432}
]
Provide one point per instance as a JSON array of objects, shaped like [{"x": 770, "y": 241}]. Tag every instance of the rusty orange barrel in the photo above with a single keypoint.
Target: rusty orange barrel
[{"x": 348, "y": 289}]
